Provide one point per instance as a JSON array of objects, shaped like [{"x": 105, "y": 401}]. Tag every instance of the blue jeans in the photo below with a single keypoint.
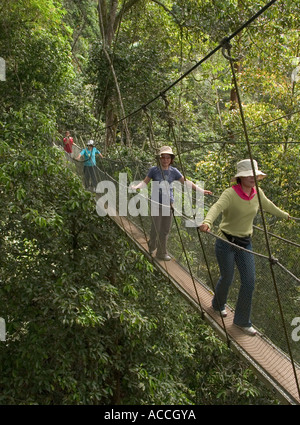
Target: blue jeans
[{"x": 227, "y": 256}]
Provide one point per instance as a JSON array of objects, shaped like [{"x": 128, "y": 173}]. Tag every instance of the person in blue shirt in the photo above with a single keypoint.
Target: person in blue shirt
[
  {"x": 89, "y": 168},
  {"x": 161, "y": 220}
]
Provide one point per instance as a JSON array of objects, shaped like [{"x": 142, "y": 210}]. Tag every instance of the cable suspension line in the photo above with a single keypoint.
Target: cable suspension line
[{"x": 210, "y": 54}]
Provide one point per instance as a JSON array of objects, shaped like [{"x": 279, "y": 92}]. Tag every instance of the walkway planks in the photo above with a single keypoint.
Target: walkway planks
[{"x": 272, "y": 365}]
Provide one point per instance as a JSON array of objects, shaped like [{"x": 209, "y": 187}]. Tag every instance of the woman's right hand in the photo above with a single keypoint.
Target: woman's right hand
[
  {"x": 132, "y": 189},
  {"x": 204, "y": 228}
]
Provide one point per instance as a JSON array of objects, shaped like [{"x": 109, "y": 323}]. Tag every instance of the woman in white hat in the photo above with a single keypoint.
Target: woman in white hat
[
  {"x": 162, "y": 198},
  {"x": 89, "y": 168},
  {"x": 239, "y": 205}
]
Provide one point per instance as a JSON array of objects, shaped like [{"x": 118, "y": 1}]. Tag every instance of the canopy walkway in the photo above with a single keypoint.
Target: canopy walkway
[
  {"x": 268, "y": 352},
  {"x": 274, "y": 352}
]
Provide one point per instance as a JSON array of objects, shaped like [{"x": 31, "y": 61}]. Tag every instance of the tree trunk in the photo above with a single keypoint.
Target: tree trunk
[
  {"x": 109, "y": 21},
  {"x": 111, "y": 128}
]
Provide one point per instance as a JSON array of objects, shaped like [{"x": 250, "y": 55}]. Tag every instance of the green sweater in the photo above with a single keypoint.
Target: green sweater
[{"x": 238, "y": 214}]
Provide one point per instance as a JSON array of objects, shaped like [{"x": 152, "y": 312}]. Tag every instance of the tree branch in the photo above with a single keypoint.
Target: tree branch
[
  {"x": 101, "y": 23},
  {"x": 167, "y": 10}
]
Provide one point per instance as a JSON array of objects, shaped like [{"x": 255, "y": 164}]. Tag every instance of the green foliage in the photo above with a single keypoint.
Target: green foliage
[
  {"x": 100, "y": 320},
  {"x": 36, "y": 55},
  {"x": 89, "y": 320}
]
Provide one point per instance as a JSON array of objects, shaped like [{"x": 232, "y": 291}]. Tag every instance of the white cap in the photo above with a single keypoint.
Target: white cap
[{"x": 90, "y": 142}]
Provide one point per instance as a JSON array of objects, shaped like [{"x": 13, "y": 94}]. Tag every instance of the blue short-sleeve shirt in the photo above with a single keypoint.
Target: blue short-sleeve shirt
[
  {"x": 89, "y": 156},
  {"x": 161, "y": 176}
]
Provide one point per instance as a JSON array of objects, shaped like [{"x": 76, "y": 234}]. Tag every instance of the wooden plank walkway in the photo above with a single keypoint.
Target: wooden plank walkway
[{"x": 272, "y": 365}]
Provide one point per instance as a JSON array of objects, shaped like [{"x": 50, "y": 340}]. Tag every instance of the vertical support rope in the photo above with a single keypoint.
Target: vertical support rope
[
  {"x": 152, "y": 140},
  {"x": 227, "y": 46},
  {"x": 171, "y": 126}
]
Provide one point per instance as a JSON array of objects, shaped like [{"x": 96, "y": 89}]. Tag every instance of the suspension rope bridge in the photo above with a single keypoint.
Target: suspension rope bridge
[
  {"x": 271, "y": 360},
  {"x": 273, "y": 352}
]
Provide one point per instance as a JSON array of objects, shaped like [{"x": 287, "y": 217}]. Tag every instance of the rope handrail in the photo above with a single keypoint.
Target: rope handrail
[
  {"x": 178, "y": 213},
  {"x": 279, "y": 237}
]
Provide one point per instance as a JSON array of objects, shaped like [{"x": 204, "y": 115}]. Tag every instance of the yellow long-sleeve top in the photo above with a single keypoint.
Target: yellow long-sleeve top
[{"x": 238, "y": 214}]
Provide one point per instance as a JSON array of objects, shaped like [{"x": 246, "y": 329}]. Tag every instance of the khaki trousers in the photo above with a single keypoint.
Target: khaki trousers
[{"x": 160, "y": 229}]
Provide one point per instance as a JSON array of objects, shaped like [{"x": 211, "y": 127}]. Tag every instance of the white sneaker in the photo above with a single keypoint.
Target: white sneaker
[
  {"x": 164, "y": 257},
  {"x": 249, "y": 330},
  {"x": 222, "y": 312}
]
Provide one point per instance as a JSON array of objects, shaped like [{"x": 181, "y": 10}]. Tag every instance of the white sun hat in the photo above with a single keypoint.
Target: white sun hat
[
  {"x": 244, "y": 169},
  {"x": 166, "y": 150}
]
